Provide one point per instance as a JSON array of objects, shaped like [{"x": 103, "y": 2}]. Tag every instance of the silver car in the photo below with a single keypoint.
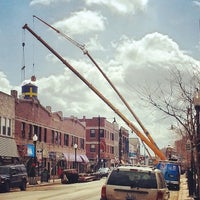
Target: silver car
[{"x": 135, "y": 183}]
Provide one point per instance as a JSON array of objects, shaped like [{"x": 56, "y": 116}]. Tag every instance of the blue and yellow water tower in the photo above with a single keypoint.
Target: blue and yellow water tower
[{"x": 29, "y": 91}]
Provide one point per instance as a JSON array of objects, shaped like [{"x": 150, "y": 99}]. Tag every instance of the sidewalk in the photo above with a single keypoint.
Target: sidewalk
[
  {"x": 183, "y": 192},
  {"x": 50, "y": 182}
]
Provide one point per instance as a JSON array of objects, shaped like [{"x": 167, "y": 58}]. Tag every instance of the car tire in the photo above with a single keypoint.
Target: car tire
[
  {"x": 7, "y": 187},
  {"x": 23, "y": 186}
]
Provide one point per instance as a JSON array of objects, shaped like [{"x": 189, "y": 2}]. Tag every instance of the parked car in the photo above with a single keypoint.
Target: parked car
[
  {"x": 69, "y": 176},
  {"x": 135, "y": 183},
  {"x": 171, "y": 172},
  {"x": 13, "y": 176},
  {"x": 103, "y": 172}
]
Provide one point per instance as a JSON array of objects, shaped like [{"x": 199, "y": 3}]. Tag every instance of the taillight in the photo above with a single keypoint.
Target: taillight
[
  {"x": 103, "y": 192},
  {"x": 160, "y": 195}
]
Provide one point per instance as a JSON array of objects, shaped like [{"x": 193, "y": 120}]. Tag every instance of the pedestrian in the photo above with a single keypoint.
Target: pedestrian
[{"x": 190, "y": 181}]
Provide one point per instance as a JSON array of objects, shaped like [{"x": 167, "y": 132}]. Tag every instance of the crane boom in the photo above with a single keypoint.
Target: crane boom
[
  {"x": 129, "y": 124},
  {"x": 85, "y": 51}
]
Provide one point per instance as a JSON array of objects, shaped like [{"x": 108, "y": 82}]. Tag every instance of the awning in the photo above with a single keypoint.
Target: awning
[
  {"x": 84, "y": 158},
  {"x": 71, "y": 157},
  {"x": 8, "y": 147}
]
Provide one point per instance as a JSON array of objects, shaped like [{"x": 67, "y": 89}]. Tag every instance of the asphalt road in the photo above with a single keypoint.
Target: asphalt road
[
  {"x": 77, "y": 191},
  {"x": 80, "y": 191}
]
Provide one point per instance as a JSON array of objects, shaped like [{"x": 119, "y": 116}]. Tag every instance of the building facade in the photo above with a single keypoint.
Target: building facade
[
  {"x": 8, "y": 148},
  {"x": 105, "y": 147},
  {"x": 57, "y": 136}
]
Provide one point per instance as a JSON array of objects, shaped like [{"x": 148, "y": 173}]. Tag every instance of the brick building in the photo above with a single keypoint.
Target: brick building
[
  {"x": 8, "y": 148},
  {"x": 106, "y": 144},
  {"x": 56, "y": 135}
]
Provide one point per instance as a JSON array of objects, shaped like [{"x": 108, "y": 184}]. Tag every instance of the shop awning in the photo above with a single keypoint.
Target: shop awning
[
  {"x": 8, "y": 147},
  {"x": 84, "y": 158},
  {"x": 71, "y": 157}
]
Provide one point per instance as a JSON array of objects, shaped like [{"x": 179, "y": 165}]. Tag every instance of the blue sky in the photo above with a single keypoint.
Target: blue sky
[{"x": 136, "y": 43}]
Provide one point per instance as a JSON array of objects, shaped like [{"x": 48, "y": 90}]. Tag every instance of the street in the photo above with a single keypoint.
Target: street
[{"x": 80, "y": 191}]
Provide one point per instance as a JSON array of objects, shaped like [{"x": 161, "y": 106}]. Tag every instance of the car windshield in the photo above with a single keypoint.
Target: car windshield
[
  {"x": 134, "y": 179},
  {"x": 4, "y": 170}
]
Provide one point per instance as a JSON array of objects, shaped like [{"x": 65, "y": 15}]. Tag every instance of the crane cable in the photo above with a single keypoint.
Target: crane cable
[{"x": 85, "y": 51}]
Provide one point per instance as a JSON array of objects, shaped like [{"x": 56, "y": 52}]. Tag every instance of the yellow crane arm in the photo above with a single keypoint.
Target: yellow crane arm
[
  {"x": 86, "y": 52},
  {"x": 130, "y": 125}
]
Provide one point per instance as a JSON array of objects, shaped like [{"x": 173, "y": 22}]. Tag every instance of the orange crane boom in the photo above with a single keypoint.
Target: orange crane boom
[
  {"x": 151, "y": 145},
  {"x": 86, "y": 52}
]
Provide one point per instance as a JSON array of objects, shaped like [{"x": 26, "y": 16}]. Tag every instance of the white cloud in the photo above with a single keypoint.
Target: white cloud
[
  {"x": 121, "y": 6},
  {"x": 45, "y": 2},
  {"x": 197, "y": 3},
  {"x": 80, "y": 22},
  {"x": 4, "y": 83},
  {"x": 94, "y": 44},
  {"x": 153, "y": 49}
]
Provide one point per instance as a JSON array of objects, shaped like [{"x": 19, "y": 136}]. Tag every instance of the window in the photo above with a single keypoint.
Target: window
[
  {"x": 30, "y": 133},
  {"x": 112, "y": 150},
  {"x": 3, "y": 125},
  {"x": 56, "y": 137},
  {"x": 52, "y": 136},
  {"x": 35, "y": 130},
  {"x": 23, "y": 125},
  {"x": 92, "y": 148},
  {"x": 66, "y": 139},
  {"x": 60, "y": 139},
  {"x": 45, "y": 135},
  {"x": 72, "y": 141},
  {"x": 82, "y": 143},
  {"x": 102, "y": 133},
  {"x": 39, "y": 134},
  {"x": 112, "y": 136},
  {"x": 92, "y": 133}
]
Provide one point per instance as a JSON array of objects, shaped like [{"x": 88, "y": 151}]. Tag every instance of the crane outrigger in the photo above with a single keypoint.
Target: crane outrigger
[{"x": 148, "y": 141}]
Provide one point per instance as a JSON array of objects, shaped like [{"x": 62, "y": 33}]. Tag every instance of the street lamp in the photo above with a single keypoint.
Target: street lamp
[
  {"x": 196, "y": 102},
  {"x": 35, "y": 138},
  {"x": 75, "y": 149},
  {"x": 99, "y": 140}
]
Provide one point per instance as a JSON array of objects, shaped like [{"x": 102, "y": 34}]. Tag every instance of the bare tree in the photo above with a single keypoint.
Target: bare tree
[{"x": 175, "y": 100}]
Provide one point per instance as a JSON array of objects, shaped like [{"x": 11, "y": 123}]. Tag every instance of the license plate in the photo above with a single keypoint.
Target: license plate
[{"x": 129, "y": 197}]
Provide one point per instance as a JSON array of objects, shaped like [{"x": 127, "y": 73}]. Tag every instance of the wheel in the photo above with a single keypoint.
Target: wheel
[
  {"x": 7, "y": 187},
  {"x": 23, "y": 186}
]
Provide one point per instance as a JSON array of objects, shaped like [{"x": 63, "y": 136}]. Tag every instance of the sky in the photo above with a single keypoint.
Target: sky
[{"x": 135, "y": 43}]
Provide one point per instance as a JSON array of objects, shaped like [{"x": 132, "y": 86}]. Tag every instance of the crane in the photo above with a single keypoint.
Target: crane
[
  {"x": 86, "y": 52},
  {"x": 151, "y": 145}
]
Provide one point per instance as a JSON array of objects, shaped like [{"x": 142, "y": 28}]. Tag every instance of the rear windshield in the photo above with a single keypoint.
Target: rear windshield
[
  {"x": 133, "y": 179},
  {"x": 4, "y": 170}
]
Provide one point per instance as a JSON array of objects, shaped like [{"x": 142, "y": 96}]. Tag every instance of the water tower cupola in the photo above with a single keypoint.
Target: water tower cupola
[{"x": 29, "y": 91}]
